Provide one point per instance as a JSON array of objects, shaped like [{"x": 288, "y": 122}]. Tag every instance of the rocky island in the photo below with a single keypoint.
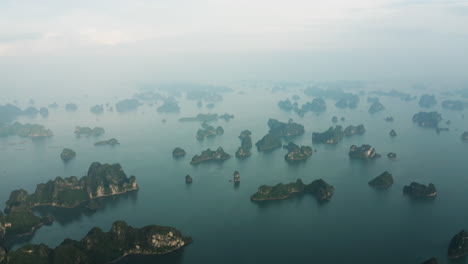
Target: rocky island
[
  {"x": 24, "y": 130},
  {"x": 458, "y": 246},
  {"x": 109, "y": 142},
  {"x": 87, "y": 131},
  {"x": 383, "y": 181},
  {"x": 331, "y": 136},
  {"x": 319, "y": 188},
  {"x": 207, "y": 118},
  {"x": 127, "y": 105},
  {"x": 285, "y": 130},
  {"x": 188, "y": 179},
  {"x": 296, "y": 153},
  {"x": 417, "y": 190},
  {"x": 376, "y": 107},
  {"x": 364, "y": 152},
  {"x": 246, "y": 144},
  {"x": 354, "y": 130},
  {"x": 210, "y": 155},
  {"x": 97, "y": 109},
  {"x": 178, "y": 152},
  {"x": 268, "y": 142},
  {"x": 392, "y": 156},
  {"x": 104, "y": 247},
  {"x": 209, "y": 131},
  {"x": 427, "y": 119},
  {"x": 427, "y": 100},
  {"x": 170, "y": 105},
  {"x": 101, "y": 180},
  {"x": 71, "y": 107},
  {"x": 67, "y": 154},
  {"x": 20, "y": 221},
  {"x": 393, "y": 133}
]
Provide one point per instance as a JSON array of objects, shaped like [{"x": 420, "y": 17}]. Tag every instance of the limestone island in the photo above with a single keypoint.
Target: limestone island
[
  {"x": 453, "y": 105},
  {"x": 104, "y": 247},
  {"x": 383, "y": 181},
  {"x": 464, "y": 136},
  {"x": 427, "y": 119},
  {"x": 67, "y": 154},
  {"x": 458, "y": 246},
  {"x": 71, "y": 107},
  {"x": 24, "y": 130},
  {"x": 170, "y": 105},
  {"x": 236, "y": 177},
  {"x": 127, "y": 105},
  {"x": 285, "y": 130},
  {"x": 430, "y": 261},
  {"x": 207, "y": 118},
  {"x": 427, "y": 100},
  {"x": 331, "y": 136},
  {"x": 389, "y": 119},
  {"x": 20, "y": 221},
  {"x": 246, "y": 144},
  {"x": 354, "y": 130},
  {"x": 417, "y": 190},
  {"x": 97, "y": 109},
  {"x": 188, "y": 179},
  {"x": 87, "y": 131},
  {"x": 393, "y": 133},
  {"x": 296, "y": 153},
  {"x": 101, "y": 180},
  {"x": 364, "y": 152},
  {"x": 178, "y": 152},
  {"x": 268, "y": 142},
  {"x": 110, "y": 142},
  {"x": 44, "y": 112},
  {"x": 319, "y": 188},
  {"x": 392, "y": 156},
  {"x": 376, "y": 107},
  {"x": 209, "y": 131},
  {"x": 210, "y": 155}
]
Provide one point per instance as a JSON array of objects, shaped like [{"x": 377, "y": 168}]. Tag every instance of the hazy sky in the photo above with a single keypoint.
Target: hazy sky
[{"x": 232, "y": 39}]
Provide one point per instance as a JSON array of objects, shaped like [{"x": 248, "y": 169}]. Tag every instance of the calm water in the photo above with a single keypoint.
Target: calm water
[{"x": 358, "y": 225}]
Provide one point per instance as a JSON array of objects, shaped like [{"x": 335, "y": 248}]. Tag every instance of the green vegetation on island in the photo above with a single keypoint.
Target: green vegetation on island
[
  {"x": 246, "y": 144},
  {"x": 178, "y": 152},
  {"x": 67, "y": 154},
  {"x": 364, "y": 152},
  {"x": 296, "y": 153},
  {"x": 458, "y": 246},
  {"x": 417, "y": 190},
  {"x": 427, "y": 119},
  {"x": 285, "y": 130},
  {"x": 383, "y": 181},
  {"x": 319, "y": 188},
  {"x": 210, "y": 155},
  {"x": 268, "y": 142}
]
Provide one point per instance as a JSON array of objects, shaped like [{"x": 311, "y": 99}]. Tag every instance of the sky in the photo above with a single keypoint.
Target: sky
[{"x": 57, "y": 42}]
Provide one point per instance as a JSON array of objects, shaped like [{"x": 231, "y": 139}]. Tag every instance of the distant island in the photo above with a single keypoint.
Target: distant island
[
  {"x": 110, "y": 142},
  {"x": 376, "y": 107},
  {"x": 365, "y": 152},
  {"x": 71, "y": 107},
  {"x": 383, "y": 181},
  {"x": 455, "y": 105},
  {"x": 427, "y": 119},
  {"x": 178, "y": 152},
  {"x": 393, "y": 133},
  {"x": 458, "y": 246},
  {"x": 24, "y": 130},
  {"x": 210, "y": 155},
  {"x": 319, "y": 188},
  {"x": 87, "y": 131},
  {"x": 464, "y": 136},
  {"x": 268, "y": 142},
  {"x": 246, "y": 144},
  {"x": 101, "y": 180},
  {"x": 170, "y": 105},
  {"x": 331, "y": 136},
  {"x": 427, "y": 100},
  {"x": 209, "y": 131},
  {"x": 127, "y": 105},
  {"x": 207, "y": 118},
  {"x": 392, "y": 156},
  {"x": 417, "y": 190},
  {"x": 296, "y": 153},
  {"x": 97, "y": 109},
  {"x": 67, "y": 154},
  {"x": 104, "y": 247},
  {"x": 285, "y": 130}
]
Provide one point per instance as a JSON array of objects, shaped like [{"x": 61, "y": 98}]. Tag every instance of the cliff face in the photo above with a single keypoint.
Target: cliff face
[
  {"x": 102, "y": 180},
  {"x": 104, "y": 247}
]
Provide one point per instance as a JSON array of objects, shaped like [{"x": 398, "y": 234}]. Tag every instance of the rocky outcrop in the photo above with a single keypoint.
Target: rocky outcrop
[
  {"x": 285, "y": 130},
  {"x": 127, "y": 105},
  {"x": 331, "y": 136},
  {"x": 427, "y": 119},
  {"x": 87, "y": 131},
  {"x": 393, "y": 133},
  {"x": 209, "y": 131},
  {"x": 427, "y": 100},
  {"x": 296, "y": 153},
  {"x": 383, "y": 181},
  {"x": 246, "y": 144},
  {"x": 210, "y": 155},
  {"x": 376, "y": 107},
  {"x": 392, "y": 156},
  {"x": 319, "y": 188},
  {"x": 110, "y": 142},
  {"x": 458, "y": 246},
  {"x": 188, "y": 179},
  {"x": 365, "y": 152},
  {"x": 24, "y": 130},
  {"x": 417, "y": 190},
  {"x": 105, "y": 247},
  {"x": 102, "y": 180},
  {"x": 354, "y": 130},
  {"x": 67, "y": 154},
  {"x": 178, "y": 152},
  {"x": 268, "y": 142}
]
